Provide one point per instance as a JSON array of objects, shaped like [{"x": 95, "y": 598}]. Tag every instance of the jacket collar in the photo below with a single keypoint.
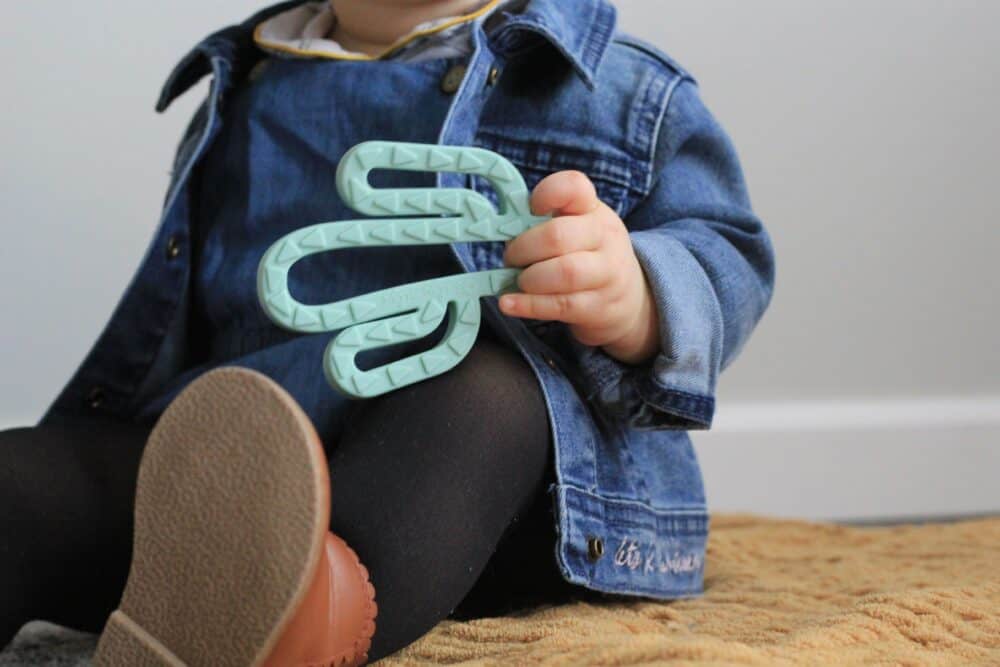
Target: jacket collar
[
  {"x": 230, "y": 51},
  {"x": 580, "y": 30}
]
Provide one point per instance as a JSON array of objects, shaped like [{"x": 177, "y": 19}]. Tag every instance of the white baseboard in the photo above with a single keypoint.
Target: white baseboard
[{"x": 869, "y": 459}]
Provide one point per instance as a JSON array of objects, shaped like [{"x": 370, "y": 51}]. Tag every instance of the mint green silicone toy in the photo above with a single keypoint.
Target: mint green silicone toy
[{"x": 407, "y": 312}]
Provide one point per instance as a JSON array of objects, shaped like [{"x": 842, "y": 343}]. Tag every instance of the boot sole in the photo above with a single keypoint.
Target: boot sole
[{"x": 232, "y": 507}]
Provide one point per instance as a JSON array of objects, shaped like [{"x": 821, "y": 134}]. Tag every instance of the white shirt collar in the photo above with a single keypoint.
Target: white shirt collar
[{"x": 304, "y": 32}]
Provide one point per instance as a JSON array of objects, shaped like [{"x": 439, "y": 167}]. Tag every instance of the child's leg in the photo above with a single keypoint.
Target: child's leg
[
  {"x": 423, "y": 487},
  {"x": 66, "y": 495},
  {"x": 428, "y": 479},
  {"x": 517, "y": 576}
]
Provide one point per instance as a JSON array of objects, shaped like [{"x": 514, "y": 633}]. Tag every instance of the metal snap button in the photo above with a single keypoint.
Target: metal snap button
[
  {"x": 173, "y": 248},
  {"x": 95, "y": 398},
  {"x": 452, "y": 79},
  {"x": 595, "y": 548},
  {"x": 494, "y": 74}
]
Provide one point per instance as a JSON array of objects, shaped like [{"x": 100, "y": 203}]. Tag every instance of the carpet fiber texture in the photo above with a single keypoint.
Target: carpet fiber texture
[{"x": 777, "y": 593}]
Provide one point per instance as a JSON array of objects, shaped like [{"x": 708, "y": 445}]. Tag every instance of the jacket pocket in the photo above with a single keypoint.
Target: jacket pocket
[{"x": 536, "y": 160}]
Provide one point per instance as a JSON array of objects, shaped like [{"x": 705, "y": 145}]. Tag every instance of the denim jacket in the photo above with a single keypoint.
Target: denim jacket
[{"x": 553, "y": 87}]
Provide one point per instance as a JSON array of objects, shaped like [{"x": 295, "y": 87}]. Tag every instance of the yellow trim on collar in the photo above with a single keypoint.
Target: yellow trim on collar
[{"x": 284, "y": 48}]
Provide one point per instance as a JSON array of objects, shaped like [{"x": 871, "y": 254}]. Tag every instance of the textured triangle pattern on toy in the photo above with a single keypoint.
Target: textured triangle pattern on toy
[{"x": 407, "y": 312}]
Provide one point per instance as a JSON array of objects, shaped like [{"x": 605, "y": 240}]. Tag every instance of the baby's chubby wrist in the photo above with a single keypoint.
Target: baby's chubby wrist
[{"x": 641, "y": 339}]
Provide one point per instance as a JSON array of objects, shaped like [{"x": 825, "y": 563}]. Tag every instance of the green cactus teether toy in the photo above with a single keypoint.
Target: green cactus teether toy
[{"x": 407, "y": 312}]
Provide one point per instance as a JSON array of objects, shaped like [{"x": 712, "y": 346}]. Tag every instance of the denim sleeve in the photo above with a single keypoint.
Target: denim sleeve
[{"x": 710, "y": 266}]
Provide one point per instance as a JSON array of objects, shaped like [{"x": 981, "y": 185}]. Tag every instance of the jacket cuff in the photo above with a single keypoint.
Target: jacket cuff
[
  {"x": 635, "y": 394},
  {"x": 676, "y": 388},
  {"x": 663, "y": 407}
]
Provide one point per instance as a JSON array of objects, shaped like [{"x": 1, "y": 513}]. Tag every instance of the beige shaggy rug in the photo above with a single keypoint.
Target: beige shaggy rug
[{"x": 777, "y": 593}]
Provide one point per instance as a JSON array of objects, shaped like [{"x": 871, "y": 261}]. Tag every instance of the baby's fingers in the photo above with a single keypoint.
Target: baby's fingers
[
  {"x": 573, "y": 308},
  {"x": 575, "y": 272},
  {"x": 566, "y": 193},
  {"x": 558, "y": 236}
]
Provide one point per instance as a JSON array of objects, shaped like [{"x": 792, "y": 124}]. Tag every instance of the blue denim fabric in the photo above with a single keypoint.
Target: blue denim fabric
[
  {"x": 266, "y": 173},
  {"x": 573, "y": 94}
]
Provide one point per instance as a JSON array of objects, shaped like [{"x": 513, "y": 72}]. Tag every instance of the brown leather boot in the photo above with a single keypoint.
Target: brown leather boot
[
  {"x": 233, "y": 562},
  {"x": 327, "y": 630}
]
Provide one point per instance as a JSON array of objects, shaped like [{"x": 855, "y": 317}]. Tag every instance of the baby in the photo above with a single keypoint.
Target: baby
[{"x": 228, "y": 508}]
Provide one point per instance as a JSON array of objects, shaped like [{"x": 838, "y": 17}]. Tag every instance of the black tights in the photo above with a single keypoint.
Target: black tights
[{"x": 439, "y": 487}]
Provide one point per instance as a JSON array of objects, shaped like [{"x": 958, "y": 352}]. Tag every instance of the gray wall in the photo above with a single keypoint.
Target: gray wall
[{"x": 869, "y": 134}]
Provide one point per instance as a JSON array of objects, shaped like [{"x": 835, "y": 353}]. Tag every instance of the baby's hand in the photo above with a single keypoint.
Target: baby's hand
[{"x": 581, "y": 270}]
